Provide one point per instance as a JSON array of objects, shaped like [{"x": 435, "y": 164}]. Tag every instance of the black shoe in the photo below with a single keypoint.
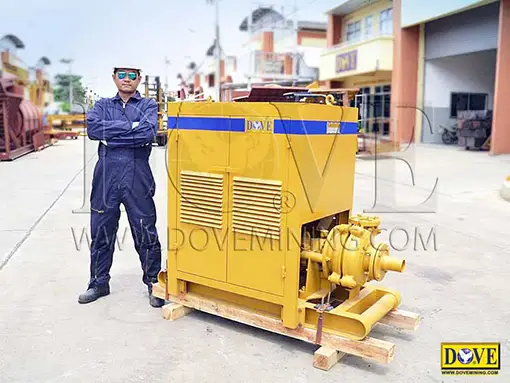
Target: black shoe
[
  {"x": 155, "y": 301},
  {"x": 93, "y": 294}
]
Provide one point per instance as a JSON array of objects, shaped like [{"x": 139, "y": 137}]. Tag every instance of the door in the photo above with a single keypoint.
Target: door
[
  {"x": 202, "y": 195},
  {"x": 259, "y": 165}
]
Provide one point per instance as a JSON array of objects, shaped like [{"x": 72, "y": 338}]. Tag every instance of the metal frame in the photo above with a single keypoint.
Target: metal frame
[{"x": 371, "y": 120}]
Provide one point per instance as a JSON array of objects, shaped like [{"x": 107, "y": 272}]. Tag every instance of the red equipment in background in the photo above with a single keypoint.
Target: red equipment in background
[{"x": 21, "y": 127}]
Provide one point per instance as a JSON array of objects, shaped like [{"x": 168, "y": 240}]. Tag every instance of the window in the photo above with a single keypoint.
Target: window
[
  {"x": 467, "y": 101},
  {"x": 386, "y": 22},
  {"x": 354, "y": 31},
  {"x": 368, "y": 26}
]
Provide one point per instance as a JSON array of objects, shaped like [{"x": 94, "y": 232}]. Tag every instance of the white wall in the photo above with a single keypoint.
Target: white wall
[
  {"x": 474, "y": 73},
  {"x": 415, "y": 11},
  {"x": 480, "y": 24},
  {"x": 287, "y": 44}
]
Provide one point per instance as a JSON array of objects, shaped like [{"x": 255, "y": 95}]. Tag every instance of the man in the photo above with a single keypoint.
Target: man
[{"x": 125, "y": 126}]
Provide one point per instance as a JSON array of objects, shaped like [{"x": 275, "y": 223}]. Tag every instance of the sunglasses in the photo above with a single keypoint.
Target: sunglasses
[{"x": 131, "y": 75}]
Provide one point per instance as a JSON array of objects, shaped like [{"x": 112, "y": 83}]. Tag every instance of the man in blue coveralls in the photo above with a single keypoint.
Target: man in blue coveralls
[{"x": 125, "y": 125}]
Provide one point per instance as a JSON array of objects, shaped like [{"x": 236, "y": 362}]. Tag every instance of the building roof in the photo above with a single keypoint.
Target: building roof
[
  {"x": 312, "y": 25},
  {"x": 210, "y": 50},
  {"x": 348, "y": 6},
  {"x": 14, "y": 40},
  {"x": 258, "y": 14},
  {"x": 44, "y": 60}
]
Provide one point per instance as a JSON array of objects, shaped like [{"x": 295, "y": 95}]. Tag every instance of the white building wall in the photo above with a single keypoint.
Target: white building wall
[
  {"x": 414, "y": 12},
  {"x": 472, "y": 73}
]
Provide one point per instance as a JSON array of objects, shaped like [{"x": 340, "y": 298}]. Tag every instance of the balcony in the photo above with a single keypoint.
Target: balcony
[{"x": 373, "y": 53}]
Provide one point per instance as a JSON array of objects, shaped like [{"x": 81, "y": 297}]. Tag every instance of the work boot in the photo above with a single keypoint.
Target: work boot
[
  {"x": 155, "y": 301},
  {"x": 93, "y": 293}
]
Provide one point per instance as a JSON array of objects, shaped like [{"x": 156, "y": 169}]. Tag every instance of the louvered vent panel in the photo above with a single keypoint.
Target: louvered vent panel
[
  {"x": 257, "y": 207},
  {"x": 202, "y": 199}
]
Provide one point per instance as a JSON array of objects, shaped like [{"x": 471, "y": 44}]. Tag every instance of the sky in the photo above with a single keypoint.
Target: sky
[{"x": 101, "y": 34}]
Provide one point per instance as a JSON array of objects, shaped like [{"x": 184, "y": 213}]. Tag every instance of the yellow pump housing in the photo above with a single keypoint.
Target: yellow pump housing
[{"x": 259, "y": 215}]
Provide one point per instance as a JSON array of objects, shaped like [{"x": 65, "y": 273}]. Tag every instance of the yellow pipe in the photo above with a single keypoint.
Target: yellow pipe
[
  {"x": 378, "y": 310},
  {"x": 393, "y": 264},
  {"x": 312, "y": 255}
]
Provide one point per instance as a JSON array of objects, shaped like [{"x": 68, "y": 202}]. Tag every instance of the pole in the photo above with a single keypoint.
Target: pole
[
  {"x": 251, "y": 54},
  {"x": 69, "y": 61},
  {"x": 70, "y": 87},
  {"x": 296, "y": 48},
  {"x": 167, "y": 63},
  {"x": 218, "y": 55}
]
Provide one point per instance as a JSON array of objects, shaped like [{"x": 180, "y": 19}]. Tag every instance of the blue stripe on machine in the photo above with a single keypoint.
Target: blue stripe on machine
[{"x": 298, "y": 127}]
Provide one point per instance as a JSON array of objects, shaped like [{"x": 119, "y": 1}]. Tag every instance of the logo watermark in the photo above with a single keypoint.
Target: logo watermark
[
  {"x": 414, "y": 238},
  {"x": 310, "y": 170}
]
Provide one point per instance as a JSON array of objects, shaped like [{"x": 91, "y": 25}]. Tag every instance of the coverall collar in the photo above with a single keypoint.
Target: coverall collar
[{"x": 136, "y": 96}]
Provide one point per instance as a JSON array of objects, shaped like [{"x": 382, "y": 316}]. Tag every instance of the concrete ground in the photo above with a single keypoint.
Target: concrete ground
[{"x": 460, "y": 287}]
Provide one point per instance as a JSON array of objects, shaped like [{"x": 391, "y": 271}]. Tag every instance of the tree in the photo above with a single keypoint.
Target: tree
[{"x": 61, "y": 88}]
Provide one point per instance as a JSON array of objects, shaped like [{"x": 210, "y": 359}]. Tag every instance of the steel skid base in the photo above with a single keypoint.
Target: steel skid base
[
  {"x": 16, "y": 153},
  {"x": 323, "y": 325}
]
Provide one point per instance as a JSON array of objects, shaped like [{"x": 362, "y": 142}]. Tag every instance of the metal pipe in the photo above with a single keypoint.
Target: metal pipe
[
  {"x": 393, "y": 264},
  {"x": 312, "y": 255}
]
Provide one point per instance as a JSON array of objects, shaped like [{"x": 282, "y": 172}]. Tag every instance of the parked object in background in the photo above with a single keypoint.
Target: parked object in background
[
  {"x": 449, "y": 134},
  {"x": 154, "y": 90},
  {"x": 62, "y": 126},
  {"x": 505, "y": 189},
  {"x": 474, "y": 128},
  {"x": 21, "y": 129}
]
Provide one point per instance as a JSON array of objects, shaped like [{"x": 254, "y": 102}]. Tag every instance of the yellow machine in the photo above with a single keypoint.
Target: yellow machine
[{"x": 259, "y": 213}]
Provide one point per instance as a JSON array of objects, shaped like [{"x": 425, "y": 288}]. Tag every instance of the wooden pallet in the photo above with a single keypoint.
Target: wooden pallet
[{"x": 333, "y": 347}]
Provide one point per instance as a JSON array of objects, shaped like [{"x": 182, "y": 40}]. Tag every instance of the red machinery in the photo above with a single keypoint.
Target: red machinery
[{"x": 21, "y": 127}]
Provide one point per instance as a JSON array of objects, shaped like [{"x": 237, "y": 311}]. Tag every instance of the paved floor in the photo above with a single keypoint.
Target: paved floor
[{"x": 460, "y": 287}]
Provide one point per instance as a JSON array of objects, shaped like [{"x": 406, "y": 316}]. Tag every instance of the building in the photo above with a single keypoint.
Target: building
[
  {"x": 201, "y": 79},
  {"x": 34, "y": 79},
  {"x": 359, "y": 54},
  {"x": 40, "y": 89},
  {"x": 452, "y": 56},
  {"x": 10, "y": 63},
  {"x": 421, "y": 63},
  {"x": 279, "y": 49}
]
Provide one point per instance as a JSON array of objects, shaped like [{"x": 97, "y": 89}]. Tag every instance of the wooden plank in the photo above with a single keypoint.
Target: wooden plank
[
  {"x": 158, "y": 291},
  {"x": 175, "y": 311},
  {"x": 402, "y": 319},
  {"x": 369, "y": 348},
  {"x": 325, "y": 358}
]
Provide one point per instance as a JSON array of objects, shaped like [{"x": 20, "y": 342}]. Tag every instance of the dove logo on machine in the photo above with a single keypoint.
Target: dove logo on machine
[
  {"x": 259, "y": 125},
  {"x": 470, "y": 356}
]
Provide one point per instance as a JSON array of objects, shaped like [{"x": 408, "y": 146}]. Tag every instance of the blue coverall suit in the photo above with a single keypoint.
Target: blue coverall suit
[{"x": 123, "y": 175}]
